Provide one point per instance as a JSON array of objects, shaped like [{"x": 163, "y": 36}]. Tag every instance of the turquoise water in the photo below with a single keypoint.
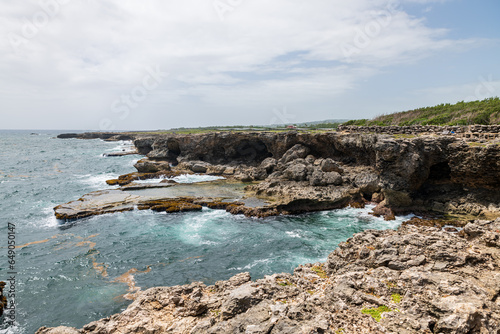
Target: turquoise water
[{"x": 74, "y": 273}]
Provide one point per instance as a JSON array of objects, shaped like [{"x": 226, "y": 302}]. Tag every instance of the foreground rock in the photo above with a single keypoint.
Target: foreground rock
[
  {"x": 3, "y": 299},
  {"x": 415, "y": 280}
]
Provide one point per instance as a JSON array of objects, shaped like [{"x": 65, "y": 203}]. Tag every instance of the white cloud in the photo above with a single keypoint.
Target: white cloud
[{"x": 261, "y": 55}]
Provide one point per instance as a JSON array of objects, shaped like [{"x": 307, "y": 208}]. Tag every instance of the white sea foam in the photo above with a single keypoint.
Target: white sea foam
[
  {"x": 16, "y": 329},
  {"x": 48, "y": 221},
  {"x": 96, "y": 181},
  {"x": 347, "y": 214},
  {"x": 293, "y": 234},
  {"x": 253, "y": 264}
]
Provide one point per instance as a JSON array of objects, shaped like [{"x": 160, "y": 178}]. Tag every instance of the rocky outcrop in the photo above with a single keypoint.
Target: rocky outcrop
[
  {"x": 307, "y": 171},
  {"x": 469, "y": 131},
  {"x": 3, "y": 299},
  {"x": 414, "y": 280},
  {"x": 109, "y": 136},
  {"x": 429, "y": 173}
]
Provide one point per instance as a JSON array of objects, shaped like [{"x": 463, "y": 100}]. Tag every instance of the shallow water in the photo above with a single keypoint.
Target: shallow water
[{"x": 71, "y": 274}]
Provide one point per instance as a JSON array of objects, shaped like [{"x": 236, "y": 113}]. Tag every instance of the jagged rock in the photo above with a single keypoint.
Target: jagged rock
[
  {"x": 298, "y": 151},
  {"x": 333, "y": 178},
  {"x": 444, "y": 174},
  {"x": 367, "y": 182},
  {"x": 296, "y": 172},
  {"x": 147, "y": 166},
  {"x": 3, "y": 299},
  {"x": 377, "y": 197},
  {"x": 320, "y": 178},
  {"x": 416, "y": 279},
  {"x": 328, "y": 165},
  {"x": 216, "y": 170},
  {"x": 243, "y": 177},
  {"x": 58, "y": 330},
  {"x": 258, "y": 173},
  {"x": 268, "y": 164},
  {"x": 199, "y": 166},
  {"x": 310, "y": 159},
  {"x": 396, "y": 199}
]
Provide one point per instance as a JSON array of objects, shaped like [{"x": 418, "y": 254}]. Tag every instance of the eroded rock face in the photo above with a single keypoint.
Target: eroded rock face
[
  {"x": 414, "y": 280},
  {"x": 3, "y": 299},
  {"x": 426, "y": 168}
]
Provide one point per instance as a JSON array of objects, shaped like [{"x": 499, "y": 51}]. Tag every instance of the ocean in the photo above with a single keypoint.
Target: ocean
[{"x": 77, "y": 272}]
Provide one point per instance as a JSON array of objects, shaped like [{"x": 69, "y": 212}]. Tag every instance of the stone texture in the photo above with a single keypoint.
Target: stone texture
[{"x": 423, "y": 279}]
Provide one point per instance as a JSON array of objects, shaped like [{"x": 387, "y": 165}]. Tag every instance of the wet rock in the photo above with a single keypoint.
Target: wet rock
[
  {"x": 216, "y": 170},
  {"x": 439, "y": 173},
  {"x": 147, "y": 166},
  {"x": 199, "y": 166}
]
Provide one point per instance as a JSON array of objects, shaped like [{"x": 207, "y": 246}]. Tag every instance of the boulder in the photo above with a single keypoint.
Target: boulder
[
  {"x": 328, "y": 165},
  {"x": 297, "y": 151},
  {"x": 296, "y": 172},
  {"x": 320, "y": 178},
  {"x": 148, "y": 166},
  {"x": 367, "y": 182},
  {"x": 199, "y": 166},
  {"x": 268, "y": 165},
  {"x": 333, "y": 178},
  {"x": 396, "y": 199}
]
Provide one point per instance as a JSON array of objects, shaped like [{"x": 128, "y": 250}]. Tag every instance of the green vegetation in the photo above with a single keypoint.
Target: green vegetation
[
  {"x": 396, "y": 298},
  {"x": 486, "y": 112},
  {"x": 319, "y": 271},
  {"x": 215, "y": 313},
  {"x": 376, "y": 313},
  {"x": 283, "y": 282}
]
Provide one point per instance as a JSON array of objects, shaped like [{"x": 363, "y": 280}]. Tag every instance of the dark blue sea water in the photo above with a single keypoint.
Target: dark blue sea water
[{"x": 74, "y": 273}]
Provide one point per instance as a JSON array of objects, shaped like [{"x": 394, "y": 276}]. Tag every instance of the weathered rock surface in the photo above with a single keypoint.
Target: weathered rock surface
[
  {"x": 426, "y": 173},
  {"x": 164, "y": 198},
  {"x": 414, "y": 280},
  {"x": 443, "y": 174},
  {"x": 3, "y": 299}
]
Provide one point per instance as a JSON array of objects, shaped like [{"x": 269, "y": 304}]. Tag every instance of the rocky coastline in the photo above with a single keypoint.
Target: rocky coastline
[
  {"x": 425, "y": 277},
  {"x": 417, "y": 279},
  {"x": 296, "y": 172}
]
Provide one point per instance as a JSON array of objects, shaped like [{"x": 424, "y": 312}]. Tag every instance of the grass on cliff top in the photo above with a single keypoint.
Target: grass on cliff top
[
  {"x": 321, "y": 127},
  {"x": 376, "y": 313},
  {"x": 486, "y": 112}
]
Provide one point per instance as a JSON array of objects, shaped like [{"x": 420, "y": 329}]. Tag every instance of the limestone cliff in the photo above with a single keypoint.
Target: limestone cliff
[{"x": 443, "y": 173}]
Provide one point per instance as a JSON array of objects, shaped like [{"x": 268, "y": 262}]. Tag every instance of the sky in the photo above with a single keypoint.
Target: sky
[{"x": 160, "y": 64}]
